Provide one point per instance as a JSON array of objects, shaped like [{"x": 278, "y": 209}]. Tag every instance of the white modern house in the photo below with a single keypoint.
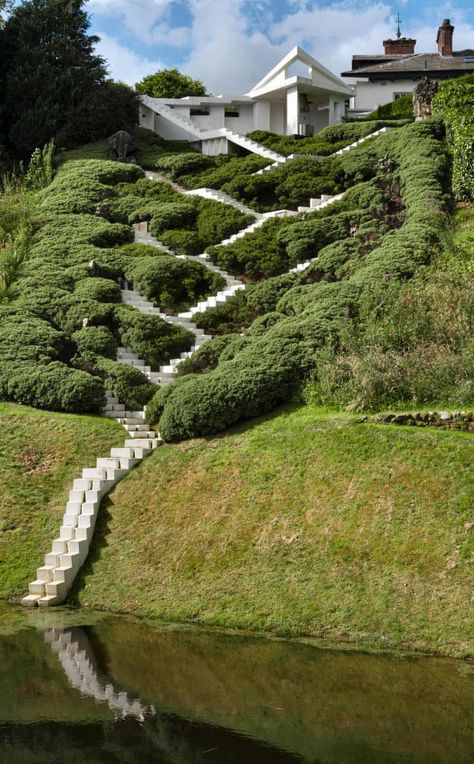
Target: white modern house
[{"x": 299, "y": 96}]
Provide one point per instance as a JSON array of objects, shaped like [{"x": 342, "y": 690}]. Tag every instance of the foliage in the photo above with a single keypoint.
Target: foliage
[
  {"x": 54, "y": 386},
  {"x": 155, "y": 340},
  {"x": 260, "y": 376},
  {"x": 107, "y": 108},
  {"x": 170, "y": 83},
  {"x": 170, "y": 283},
  {"x": 96, "y": 339},
  {"x": 129, "y": 384},
  {"x": 40, "y": 169},
  {"x": 45, "y": 43},
  {"x": 455, "y": 103},
  {"x": 326, "y": 142},
  {"x": 220, "y": 170},
  {"x": 411, "y": 342},
  {"x": 288, "y": 186},
  {"x": 402, "y": 108}
]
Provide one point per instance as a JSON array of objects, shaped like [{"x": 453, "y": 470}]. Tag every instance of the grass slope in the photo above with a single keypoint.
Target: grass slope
[
  {"x": 304, "y": 523},
  {"x": 40, "y": 455}
]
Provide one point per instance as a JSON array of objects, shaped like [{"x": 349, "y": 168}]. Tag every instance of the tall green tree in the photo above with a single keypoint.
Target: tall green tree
[
  {"x": 170, "y": 83},
  {"x": 49, "y": 66}
]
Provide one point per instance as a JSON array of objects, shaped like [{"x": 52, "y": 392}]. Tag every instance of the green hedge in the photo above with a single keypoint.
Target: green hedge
[
  {"x": 253, "y": 382},
  {"x": 53, "y": 386},
  {"x": 171, "y": 283},
  {"x": 155, "y": 340},
  {"x": 455, "y": 103}
]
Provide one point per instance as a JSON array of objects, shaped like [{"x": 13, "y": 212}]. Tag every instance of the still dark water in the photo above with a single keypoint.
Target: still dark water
[{"x": 92, "y": 688}]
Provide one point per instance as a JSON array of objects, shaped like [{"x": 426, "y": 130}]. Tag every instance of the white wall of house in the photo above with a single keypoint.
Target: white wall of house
[
  {"x": 278, "y": 118},
  {"x": 262, "y": 115},
  {"x": 369, "y": 95},
  {"x": 214, "y": 120},
  {"x": 245, "y": 122},
  {"x": 170, "y": 131},
  {"x": 292, "y": 111}
]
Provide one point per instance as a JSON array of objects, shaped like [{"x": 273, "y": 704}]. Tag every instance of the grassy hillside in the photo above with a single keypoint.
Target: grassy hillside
[
  {"x": 40, "y": 455},
  {"x": 305, "y": 523}
]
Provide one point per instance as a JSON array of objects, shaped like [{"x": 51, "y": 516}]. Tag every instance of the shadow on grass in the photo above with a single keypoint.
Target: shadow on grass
[{"x": 98, "y": 544}]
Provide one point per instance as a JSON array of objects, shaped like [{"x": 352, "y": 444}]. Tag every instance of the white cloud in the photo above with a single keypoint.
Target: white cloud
[
  {"x": 140, "y": 17},
  {"x": 230, "y": 49},
  {"x": 124, "y": 64}
]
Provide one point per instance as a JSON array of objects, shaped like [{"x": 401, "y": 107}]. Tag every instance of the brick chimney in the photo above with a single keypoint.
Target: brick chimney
[
  {"x": 445, "y": 38},
  {"x": 402, "y": 45}
]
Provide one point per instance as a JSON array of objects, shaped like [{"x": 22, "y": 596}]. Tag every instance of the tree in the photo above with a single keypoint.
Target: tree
[
  {"x": 49, "y": 66},
  {"x": 109, "y": 107},
  {"x": 170, "y": 83}
]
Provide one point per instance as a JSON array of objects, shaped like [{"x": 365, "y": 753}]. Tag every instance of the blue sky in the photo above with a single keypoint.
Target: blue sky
[{"x": 230, "y": 44}]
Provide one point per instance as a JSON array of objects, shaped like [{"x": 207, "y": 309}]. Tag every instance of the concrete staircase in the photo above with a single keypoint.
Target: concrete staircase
[
  {"x": 219, "y": 196},
  {"x": 321, "y": 202},
  {"x": 70, "y": 549},
  {"x": 77, "y": 659},
  {"x": 317, "y": 158}
]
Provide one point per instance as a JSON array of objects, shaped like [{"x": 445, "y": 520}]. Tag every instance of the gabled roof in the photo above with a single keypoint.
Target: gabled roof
[
  {"x": 278, "y": 78},
  {"x": 417, "y": 63}
]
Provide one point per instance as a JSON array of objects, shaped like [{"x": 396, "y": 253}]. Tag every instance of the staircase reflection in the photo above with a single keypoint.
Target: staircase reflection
[{"x": 77, "y": 658}]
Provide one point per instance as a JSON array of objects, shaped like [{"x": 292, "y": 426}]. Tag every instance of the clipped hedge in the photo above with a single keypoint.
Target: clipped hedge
[
  {"x": 455, "y": 103},
  {"x": 253, "y": 382},
  {"x": 155, "y": 340},
  {"x": 172, "y": 284},
  {"x": 53, "y": 386}
]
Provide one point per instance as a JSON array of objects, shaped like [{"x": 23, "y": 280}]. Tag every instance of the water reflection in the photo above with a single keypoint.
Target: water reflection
[
  {"x": 77, "y": 658},
  {"x": 122, "y": 690}
]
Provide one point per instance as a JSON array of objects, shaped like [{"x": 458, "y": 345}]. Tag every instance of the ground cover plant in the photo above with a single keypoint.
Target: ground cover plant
[
  {"x": 326, "y": 142},
  {"x": 61, "y": 318},
  {"x": 187, "y": 224},
  {"x": 390, "y": 225}
]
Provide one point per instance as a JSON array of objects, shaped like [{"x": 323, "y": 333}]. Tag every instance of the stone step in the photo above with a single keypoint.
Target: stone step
[
  {"x": 127, "y": 453},
  {"x": 145, "y": 443},
  {"x": 45, "y": 573},
  {"x": 37, "y": 588},
  {"x": 31, "y": 600},
  {"x": 147, "y": 434}
]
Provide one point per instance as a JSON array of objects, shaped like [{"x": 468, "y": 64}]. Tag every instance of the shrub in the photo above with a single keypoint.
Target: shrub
[
  {"x": 172, "y": 283},
  {"x": 25, "y": 338},
  {"x": 454, "y": 102},
  {"x": 207, "y": 356},
  {"x": 173, "y": 215},
  {"x": 102, "y": 290},
  {"x": 129, "y": 385},
  {"x": 53, "y": 386},
  {"x": 183, "y": 242},
  {"x": 253, "y": 382},
  {"x": 155, "y": 340},
  {"x": 96, "y": 339}
]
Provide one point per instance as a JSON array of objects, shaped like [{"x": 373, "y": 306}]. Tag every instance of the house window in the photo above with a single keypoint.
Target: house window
[
  {"x": 203, "y": 112},
  {"x": 396, "y": 96},
  {"x": 231, "y": 111}
]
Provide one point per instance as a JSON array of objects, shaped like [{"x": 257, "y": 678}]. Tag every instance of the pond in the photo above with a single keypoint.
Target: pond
[{"x": 83, "y": 687}]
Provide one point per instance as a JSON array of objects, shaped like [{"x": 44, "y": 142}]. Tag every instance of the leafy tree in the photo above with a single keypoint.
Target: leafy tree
[
  {"x": 109, "y": 107},
  {"x": 49, "y": 66},
  {"x": 170, "y": 83}
]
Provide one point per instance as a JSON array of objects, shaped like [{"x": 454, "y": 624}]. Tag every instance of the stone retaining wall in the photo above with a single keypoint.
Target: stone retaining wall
[{"x": 448, "y": 420}]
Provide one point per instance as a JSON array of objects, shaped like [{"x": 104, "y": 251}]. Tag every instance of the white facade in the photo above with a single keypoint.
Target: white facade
[
  {"x": 282, "y": 102},
  {"x": 369, "y": 95}
]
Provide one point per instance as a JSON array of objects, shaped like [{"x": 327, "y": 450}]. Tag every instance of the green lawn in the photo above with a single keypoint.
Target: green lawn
[
  {"x": 301, "y": 523},
  {"x": 40, "y": 455}
]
